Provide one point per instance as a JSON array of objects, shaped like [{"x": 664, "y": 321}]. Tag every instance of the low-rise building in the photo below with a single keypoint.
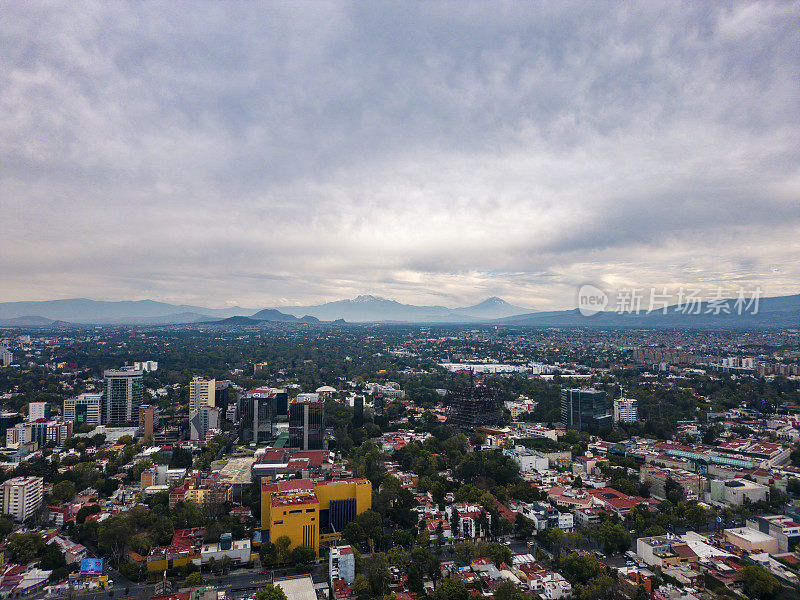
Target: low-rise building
[
  {"x": 527, "y": 459},
  {"x": 781, "y": 527},
  {"x": 589, "y": 515},
  {"x": 654, "y": 550},
  {"x": 657, "y": 478},
  {"x": 342, "y": 565},
  {"x": 237, "y": 550},
  {"x": 752, "y": 540},
  {"x": 741, "y": 491},
  {"x": 473, "y": 521}
]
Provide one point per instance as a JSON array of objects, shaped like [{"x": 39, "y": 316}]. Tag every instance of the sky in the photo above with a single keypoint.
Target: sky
[{"x": 258, "y": 154}]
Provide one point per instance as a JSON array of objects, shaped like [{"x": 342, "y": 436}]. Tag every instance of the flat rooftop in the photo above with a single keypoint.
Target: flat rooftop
[
  {"x": 297, "y": 588},
  {"x": 751, "y": 535}
]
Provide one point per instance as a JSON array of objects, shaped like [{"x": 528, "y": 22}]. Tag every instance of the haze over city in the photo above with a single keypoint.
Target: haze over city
[
  {"x": 439, "y": 300},
  {"x": 279, "y": 154}
]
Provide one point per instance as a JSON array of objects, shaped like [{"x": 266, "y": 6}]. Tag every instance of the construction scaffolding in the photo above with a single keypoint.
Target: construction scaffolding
[{"x": 474, "y": 404}]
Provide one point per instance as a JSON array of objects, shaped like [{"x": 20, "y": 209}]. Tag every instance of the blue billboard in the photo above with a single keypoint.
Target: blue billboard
[{"x": 91, "y": 566}]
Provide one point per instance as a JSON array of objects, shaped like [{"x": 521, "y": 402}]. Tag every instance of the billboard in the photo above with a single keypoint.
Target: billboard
[{"x": 91, "y": 566}]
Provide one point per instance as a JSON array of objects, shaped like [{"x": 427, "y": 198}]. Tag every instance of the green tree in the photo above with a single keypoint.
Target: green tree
[
  {"x": 361, "y": 587},
  {"x": 6, "y": 526},
  {"x": 24, "y": 547},
  {"x": 377, "y": 572},
  {"x": 582, "y": 569},
  {"x": 52, "y": 558},
  {"x": 63, "y": 491},
  {"x": 599, "y": 588},
  {"x": 268, "y": 554},
  {"x": 270, "y": 592},
  {"x": 193, "y": 579},
  {"x": 282, "y": 549},
  {"x": 451, "y": 589},
  {"x": 303, "y": 556},
  {"x": 508, "y": 591},
  {"x": 758, "y": 583},
  {"x": 113, "y": 536},
  {"x": 353, "y": 533}
]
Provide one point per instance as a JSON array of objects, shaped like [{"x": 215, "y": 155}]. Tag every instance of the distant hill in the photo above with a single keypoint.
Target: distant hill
[
  {"x": 264, "y": 316},
  {"x": 26, "y": 322},
  {"x": 270, "y": 314},
  {"x": 781, "y": 311},
  {"x": 368, "y": 308},
  {"x": 83, "y": 310},
  {"x": 236, "y": 321}
]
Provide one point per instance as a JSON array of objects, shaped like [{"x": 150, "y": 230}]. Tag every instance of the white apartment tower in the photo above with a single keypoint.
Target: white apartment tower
[
  {"x": 21, "y": 496},
  {"x": 626, "y": 410},
  {"x": 201, "y": 393},
  {"x": 38, "y": 410}
]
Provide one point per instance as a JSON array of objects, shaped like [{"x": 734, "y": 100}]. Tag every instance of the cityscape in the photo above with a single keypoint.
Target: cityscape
[{"x": 399, "y": 300}]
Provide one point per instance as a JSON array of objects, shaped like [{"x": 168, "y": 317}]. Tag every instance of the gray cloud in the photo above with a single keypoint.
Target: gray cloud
[{"x": 287, "y": 153}]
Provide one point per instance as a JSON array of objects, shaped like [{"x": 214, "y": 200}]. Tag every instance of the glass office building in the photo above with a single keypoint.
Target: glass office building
[
  {"x": 585, "y": 409},
  {"x": 307, "y": 422},
  {"x": 123, "y": 391}
]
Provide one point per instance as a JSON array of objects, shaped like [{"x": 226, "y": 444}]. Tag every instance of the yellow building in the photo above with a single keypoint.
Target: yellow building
[
  {"x": 312, "y": 513},
  {"x": 201, "y": 392}
]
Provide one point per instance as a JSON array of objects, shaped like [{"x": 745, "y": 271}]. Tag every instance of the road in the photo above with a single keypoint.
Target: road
[{"x": 239, "y": 583}]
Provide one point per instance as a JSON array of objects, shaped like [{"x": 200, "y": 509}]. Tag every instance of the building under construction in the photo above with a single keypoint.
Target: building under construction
[{"x": 474, "y": 404}]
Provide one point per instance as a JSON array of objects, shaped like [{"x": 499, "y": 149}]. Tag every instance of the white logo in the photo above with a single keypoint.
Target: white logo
[{"x": 591, "y": 300}]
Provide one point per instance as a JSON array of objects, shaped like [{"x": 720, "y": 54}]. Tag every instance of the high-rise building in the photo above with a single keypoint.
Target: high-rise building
[
  {"x": 626, "y": 410},
  {"x": 312, "y": 513},
  {"x": 39, "y": 432},
  {"x": 148, "y": 420},
  {"x": 585, "y": 409},
  {"x": 7, "y": 421},
  {"x": 358, "y": 411},
  {"x": 6, "y": 357},
  {"x": 474, "y": 405},
  {"x": 260, "y": 411},
  {"x": 38, "y": 410},
  {"x": 307, "y": 422},
  {"x": 124, "y": 389},
  {"x": 201, "y": 392},
  {"x": 85, "y": 409},
  {"x": 22, "y": 496},
  {"x": 200, "y": 421},
  {"x": 148, "y": 366},
  {"x": 221, "y": 394}
]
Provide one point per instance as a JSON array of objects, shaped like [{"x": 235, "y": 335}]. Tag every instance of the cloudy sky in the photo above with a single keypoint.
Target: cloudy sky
[{"x": 268, "y": 154}]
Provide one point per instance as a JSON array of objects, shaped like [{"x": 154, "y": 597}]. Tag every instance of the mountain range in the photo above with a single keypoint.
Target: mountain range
[
  {"x": 150, "y": 312},
  {"x": 374, "y": 308},
  {"x": 783, "y": 311},
  {"x": 83, "y": 310}
]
